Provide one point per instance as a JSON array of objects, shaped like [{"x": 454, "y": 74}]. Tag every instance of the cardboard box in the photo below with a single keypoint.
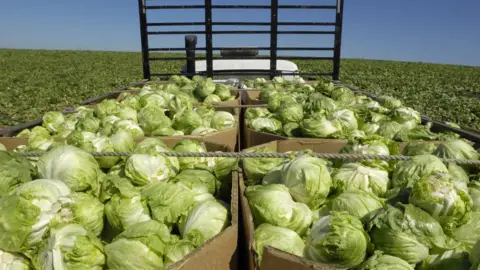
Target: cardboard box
[
  {"x": 274, "y": 259},
  {"x": 218, "y": 253},
  {"x": 253, "y": 95},
  {"x": 137, "y": 86},
  {"x": 224, "y": 104},
  {"x": 227, "y": 137},
  {"x": 253, "y": 138}
]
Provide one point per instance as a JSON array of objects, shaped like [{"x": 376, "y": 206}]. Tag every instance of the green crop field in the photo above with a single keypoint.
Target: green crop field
[{"x": 35, "y": 81}]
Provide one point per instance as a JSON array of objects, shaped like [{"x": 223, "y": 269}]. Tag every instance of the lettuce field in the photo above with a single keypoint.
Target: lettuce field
[{"x": 35, "y": 81}]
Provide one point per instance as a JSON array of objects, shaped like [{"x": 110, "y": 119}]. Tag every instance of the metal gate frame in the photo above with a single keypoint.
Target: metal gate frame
[{"x": 274, "y": 8}]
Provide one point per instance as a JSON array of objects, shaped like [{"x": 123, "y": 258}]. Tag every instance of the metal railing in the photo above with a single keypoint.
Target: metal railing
[{"x": 208, "y": 32}]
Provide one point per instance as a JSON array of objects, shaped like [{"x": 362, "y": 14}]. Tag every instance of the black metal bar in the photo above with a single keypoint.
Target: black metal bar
[
  {"x": 172, "y": 74},
  {"x": 308, "y": 23},
  {"x": 176, "y": 7},
  {"x": 281, "y": 57},
  {"x": 241, "y": 6},
  {"x": 338, "y": 40},
  {"x": 307, "y": 7},
  {"x": 315, "y": 74},
  {"x": 209, "y": 37},
  {"x": 239, "y": 32},
  {"x": 10, "y": 130},
  {"x": 220, "y": 32},
  {"x": 142, "y": 13},
  {"x": 173, "y": 49},
  {"x": 439, "y": 126},
  {"x": 304, "y": 58},
  {"x": 273, "y": 38},
  {"x": 245, "y": 57},
  {"x": 278, "y": 48},
  {"x": 176, "y": 58},
  {"x": 174, "y": 32},
  {"x": 305, "y": 48},
  {"x": 241, "y": 23},
  {"x": 307, "y": 32},
  {"x": 238, "y": 48},
  {"x": 175, "y": 23}
]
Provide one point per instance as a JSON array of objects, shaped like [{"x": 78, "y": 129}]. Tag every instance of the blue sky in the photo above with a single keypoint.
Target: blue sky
[{"x": 439, "y": 31}]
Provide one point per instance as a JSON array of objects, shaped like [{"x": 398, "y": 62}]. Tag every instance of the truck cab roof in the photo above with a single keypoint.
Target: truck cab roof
[{"x": 283, "y": 66}]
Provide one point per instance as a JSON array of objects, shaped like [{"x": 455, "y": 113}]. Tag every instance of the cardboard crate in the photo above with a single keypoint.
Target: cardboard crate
[
  {"x": 252, "y": 138},
  {"x": 274, "y": 259},
  {"x": 316, "y": 145},
  {"x": 226, "y": 137},
  {"x": 135, "y": 87},
  {"x": 253, "y": 94},
  {"x": 218, "y": 253},
  {"x": 229, "y": 103}
]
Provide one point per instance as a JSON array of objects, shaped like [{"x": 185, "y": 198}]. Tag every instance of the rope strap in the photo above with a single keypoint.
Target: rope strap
[{"x": 273, "y": 155}]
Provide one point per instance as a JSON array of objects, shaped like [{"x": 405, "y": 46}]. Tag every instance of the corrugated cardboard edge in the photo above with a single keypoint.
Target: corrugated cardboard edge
[
  {"x": 273, "y": 259},
  {"x": 252, "y": 97},
  {"x": 248, "y": 226},
  {"x": 253, "y": 138},
  {"x": 220, "y": 252},
  {"x": 227, "y": 137}
]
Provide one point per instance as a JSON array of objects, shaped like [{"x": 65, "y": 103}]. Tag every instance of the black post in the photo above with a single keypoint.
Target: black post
[
  {"x": 208, "y": 37},
  {"x": 190, "y": 44},
  {"x": 338, "y": 40},
  {"x": 273, "y": 38},
  {"x": 142, "y": 12}
]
